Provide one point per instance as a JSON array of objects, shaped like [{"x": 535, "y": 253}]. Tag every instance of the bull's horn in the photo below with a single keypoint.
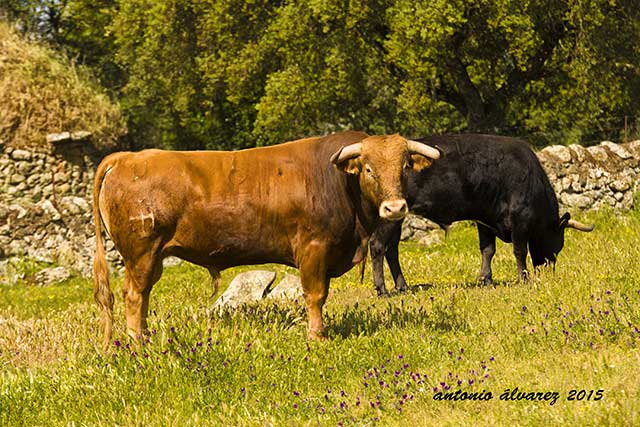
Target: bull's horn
[
  {"x": 580, "y": 226},
  {"x": 348, "y": 152},
  {"x": 416, "y": 147}
]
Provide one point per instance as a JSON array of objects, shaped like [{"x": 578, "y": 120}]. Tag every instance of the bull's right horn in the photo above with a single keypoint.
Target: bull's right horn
[
  {"x": 416, "y": 147},
  {"x": 345, "y": 153},
  {"x": 572, "y": 223}
]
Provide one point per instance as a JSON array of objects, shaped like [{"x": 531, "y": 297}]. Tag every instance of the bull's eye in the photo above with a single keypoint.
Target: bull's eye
[{"x": 368, "y": 170}]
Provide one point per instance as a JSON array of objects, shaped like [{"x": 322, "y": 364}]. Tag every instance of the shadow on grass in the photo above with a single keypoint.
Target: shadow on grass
[{"x": 434, "y": 316}]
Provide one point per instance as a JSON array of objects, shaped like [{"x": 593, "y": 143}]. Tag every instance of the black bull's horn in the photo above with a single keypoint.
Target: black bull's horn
[{"x": 572, "y": 223}]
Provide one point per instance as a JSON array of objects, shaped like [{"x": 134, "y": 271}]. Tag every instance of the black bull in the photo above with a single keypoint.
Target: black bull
[{"x": 497, "y": 182}]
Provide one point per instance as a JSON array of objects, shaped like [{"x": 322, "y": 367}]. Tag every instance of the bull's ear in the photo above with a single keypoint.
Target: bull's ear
[
  {"x": 420, "y": 162},
  {"x": 350, "y": 166},
  {"x": 564, "y": 220},
  {"x": 347, "y": 159}
]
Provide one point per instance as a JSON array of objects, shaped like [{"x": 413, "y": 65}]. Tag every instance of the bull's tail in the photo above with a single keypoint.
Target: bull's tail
[
  {"x": 102, "y": 291},
  {"x": 363, "y": 264}
]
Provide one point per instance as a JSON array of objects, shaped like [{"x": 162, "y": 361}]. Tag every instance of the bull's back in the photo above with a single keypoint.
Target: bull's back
[{"x": 479, "y": 178}]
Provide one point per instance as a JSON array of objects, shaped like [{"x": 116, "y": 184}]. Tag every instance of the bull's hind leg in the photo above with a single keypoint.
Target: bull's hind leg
[
  {"x": 315, "y": 285},
  {"x": 519, "y": 240},
  {"x": 488, "y": 250},
  {"x": 139, "y": 278}
]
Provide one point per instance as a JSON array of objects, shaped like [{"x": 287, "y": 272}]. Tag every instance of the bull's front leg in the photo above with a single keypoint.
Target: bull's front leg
[
  {"x": 315, "y": 285},
  {"x": 378, "y": 246},
  {"x": 393, "y": 257}
]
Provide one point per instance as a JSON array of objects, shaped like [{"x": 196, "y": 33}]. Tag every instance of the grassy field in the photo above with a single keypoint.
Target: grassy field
[{"x": 386, "y": 361}]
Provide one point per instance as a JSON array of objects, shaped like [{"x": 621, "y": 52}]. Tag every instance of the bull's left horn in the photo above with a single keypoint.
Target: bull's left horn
[
  {"x": 348, "y": 152},
  {"x": 580, "y": 226},
  {"x": 416, "y": 147}
]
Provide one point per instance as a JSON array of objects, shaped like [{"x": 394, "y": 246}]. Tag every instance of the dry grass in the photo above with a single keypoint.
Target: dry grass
[{"x": 43, "y": 92}]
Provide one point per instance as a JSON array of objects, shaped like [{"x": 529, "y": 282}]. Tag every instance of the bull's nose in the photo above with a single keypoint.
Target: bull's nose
[{"x": 393, "y": 210}]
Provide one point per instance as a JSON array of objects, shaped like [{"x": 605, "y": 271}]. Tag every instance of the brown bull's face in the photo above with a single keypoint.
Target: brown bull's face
[{"x": 382, "y": 164}]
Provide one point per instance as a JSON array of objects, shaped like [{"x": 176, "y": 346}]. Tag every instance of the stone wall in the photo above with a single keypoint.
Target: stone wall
[
  {"x": 45, "y": 204},
  {"x": 45, "y": 196},
  {"x": 591, "y": 178}
]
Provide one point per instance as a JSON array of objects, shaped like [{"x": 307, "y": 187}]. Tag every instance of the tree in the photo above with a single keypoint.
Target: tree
[
  {"x": 512, "y": 66},
  {"x": 232, "y": 73}
]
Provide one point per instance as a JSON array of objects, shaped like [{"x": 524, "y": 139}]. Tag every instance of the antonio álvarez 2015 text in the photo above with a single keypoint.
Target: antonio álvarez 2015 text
[{"x": 517, "y": 395}]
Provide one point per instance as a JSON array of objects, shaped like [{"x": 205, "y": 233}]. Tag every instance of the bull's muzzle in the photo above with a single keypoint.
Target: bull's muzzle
[{"x": 393, "y": 210}]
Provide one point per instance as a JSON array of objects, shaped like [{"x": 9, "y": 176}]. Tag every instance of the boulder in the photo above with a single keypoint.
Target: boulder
[
  {"x": 51, "y": 275},
  {"x": 288, "y": 288},
  {"x": 246, "y": 287}
]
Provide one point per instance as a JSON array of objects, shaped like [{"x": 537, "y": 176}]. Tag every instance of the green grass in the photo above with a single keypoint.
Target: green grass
[{"x": 574, "y": 329}]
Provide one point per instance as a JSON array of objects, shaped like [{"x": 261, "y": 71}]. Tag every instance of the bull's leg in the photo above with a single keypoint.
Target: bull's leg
[
  {"x": 377, "y": 247},
  {"x": 315, "y": 285},
  {"x": 393, "y": 258},
  {"x": 519, "y": 240},
  {"x": 139, "y": 278},
  {"x": 488, "y": 250}
]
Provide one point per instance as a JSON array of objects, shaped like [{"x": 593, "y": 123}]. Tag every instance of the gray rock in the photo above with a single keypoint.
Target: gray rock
[
  {"x": 32, "y": 180},
  {"x": 576, "y": 200},
  {"x": 22, "y": 212},
  {"x": 580, "y": 152},
  {"x": 20, "y": 154},
  {"x": 621, "y": 184},
  {"x": 559, "y": 151},
  {"x": 52, "y": 275},
  {"x": 431, "y": 238},
  {"x": 62, "y": 189},
  {"x": 58, "y": 137},
  {"x": 80, "y": 135},
  {"x": 17, "y": 178},
  {"x": 619, "y": 150},
  {"x": 598, "y": 153},
  {"x": 246, "y": 287},
  {"x": 288, "y": 288},
  {"x": 407, "y": 232},
  {"x": 171, "y": 261},
  {"x": 24, "y": 167},
  {"x": 60, "y": 177},
  {"x": 50, "y": 210},
  {"x": 42, "y": 255},
  {"x": 75, "y": 204},
  {"x": 419, "y": 223}
]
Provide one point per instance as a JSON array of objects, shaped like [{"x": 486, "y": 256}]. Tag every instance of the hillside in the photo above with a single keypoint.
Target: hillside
[{"x": 43, "y": 92}]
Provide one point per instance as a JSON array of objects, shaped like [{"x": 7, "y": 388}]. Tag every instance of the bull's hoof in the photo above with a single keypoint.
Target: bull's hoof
[
  {"x": 487, "y": 280},
  {"x": 402, "y": 288},
  {"x": 524, "y": 276},
  {"x": 317, "y": 336},
  {"x": 382, "y": 293}
]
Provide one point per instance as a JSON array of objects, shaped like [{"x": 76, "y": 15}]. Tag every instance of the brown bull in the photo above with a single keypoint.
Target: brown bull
[{"x": 311, "y": 204}]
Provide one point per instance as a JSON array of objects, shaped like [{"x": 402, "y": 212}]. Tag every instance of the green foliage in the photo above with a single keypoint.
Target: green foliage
[
  {"x": 575, "y": 328},
  {"x": 233, "y": 74}
]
